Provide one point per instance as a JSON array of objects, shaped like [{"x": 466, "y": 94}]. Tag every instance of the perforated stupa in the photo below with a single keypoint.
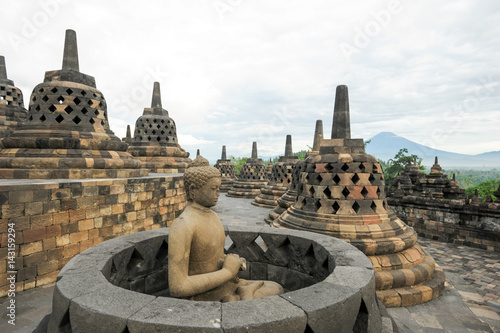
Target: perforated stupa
[
  {"x": 155, "y": 139},
  {"x": 226, "y": 168},
  {"x": 12, "y": 111},
  {"x": 67, "y": 134},
  {"x": 251, "y": 179},
  {"x": 341, "y": 193}
]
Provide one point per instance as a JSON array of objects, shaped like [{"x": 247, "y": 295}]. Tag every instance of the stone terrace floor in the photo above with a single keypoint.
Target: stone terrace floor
[{"x": 470, "y": 302}]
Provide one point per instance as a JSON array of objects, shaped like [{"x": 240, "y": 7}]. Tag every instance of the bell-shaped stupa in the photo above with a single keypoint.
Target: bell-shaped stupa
[
  {"x": 155, "y": 139},
  {"x": 251, "y": 179},
  {"x": 226, "y": 168},
  {"x": 12, "y": 111},
  {"x": 67, "y": 134},
  {"x": 341, "y": 193},
  {"x": 289, "y": 197},
  {"x": 281, "y": 178}
]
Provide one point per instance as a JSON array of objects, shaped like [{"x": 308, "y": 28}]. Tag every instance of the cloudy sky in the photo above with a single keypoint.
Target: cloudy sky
[{"x": 237, "y": 71}]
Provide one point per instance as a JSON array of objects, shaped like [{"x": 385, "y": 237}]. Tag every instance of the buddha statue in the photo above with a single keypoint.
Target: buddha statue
[{"x": 198, "y": 269}]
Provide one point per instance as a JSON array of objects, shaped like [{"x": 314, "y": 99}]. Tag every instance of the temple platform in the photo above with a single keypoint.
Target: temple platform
[{"x": 470, "y": 301}]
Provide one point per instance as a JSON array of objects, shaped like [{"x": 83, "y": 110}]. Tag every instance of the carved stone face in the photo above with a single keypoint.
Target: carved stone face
[{"x": 208, "y": 194}]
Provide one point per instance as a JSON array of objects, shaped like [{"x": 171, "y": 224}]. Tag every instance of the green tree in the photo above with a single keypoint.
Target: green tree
[
  {"x": 484, "y": 189},
  {"x": 398, "y": 164},
  {"x": 238, "y": 163}
]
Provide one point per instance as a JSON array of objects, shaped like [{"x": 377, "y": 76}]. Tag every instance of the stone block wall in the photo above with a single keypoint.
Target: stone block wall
[
  {"x": 53, "y": 220},
  {"x": 440, "y": 219}
]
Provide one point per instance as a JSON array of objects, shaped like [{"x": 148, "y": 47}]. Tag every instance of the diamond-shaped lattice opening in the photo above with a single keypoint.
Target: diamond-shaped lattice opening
[
  {"x": 374, "y": 206},
  {"x": 102, "y": 122},
  {"x": 328, "y": 167},
  {"x": 45, "y": 98},
  {"x": 158, "y": 126},
  {"x": 162, "y": 132},
  {"x": 69, "y": 91},
  {"x": 335, "y": 207},
  {"x": 158, "y": 138},
  {"x": 77, "y": 120},
  {"x": 228, "y": 243},
  {"x": 355, "y": 178},
  {"x": 90, "y": 102},
  {"x": 170, "y": 132},
  {"x": 41, "y": 90},
  {"x": 362, "y": 167},
  {"x": 42, "y": 118},
  {"x": 345, "y": 192},
  {"x": 52, "y": 108},
  {"x": 375, "y": 169},
  {"x": 150, "y": 126},
  {"x": 336, "y": 179},
  {"x": 154, "y": 132},
  {"x": 77, "y": 101},
  {"x": 37, "y": 108},
  {"x": 60, "y": 99},
  {"x": 54, "y": 90},
  {"x": 345, "y": 167},
  {"x": 68, "y": 109},
  {"x": 378, "y": 192},
  {"x": 355, "y": 206},
  {"x": 384, "y": 204},
  {"x": 364, "y": 192},
  {"x": 162, "y": 253},
  {"x": 92, "y": 121},
  {"x": 312, "y": 191},
  {"x": 260, "y": 242},
  {"x": 84, "y": 93},
  {"x": 149, "y": 138},
  {"x": 318, "y": 179},
  {"x": 371, "y": 178},
  {"x": 167, "y": 139},
  {"x": 328, "y": 193},
  {"x": 317, "y": 204},
  {"x": 162, "y": 121},
  {"x": 30, "y": 118},
  {"x": 85, "y": 111},
  {"x": 59, "y": 119},
  {"x": 96, "y": 112}
]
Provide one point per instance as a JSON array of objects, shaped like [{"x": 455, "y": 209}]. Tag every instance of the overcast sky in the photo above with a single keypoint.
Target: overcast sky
[{"x": 237, "y": 71}]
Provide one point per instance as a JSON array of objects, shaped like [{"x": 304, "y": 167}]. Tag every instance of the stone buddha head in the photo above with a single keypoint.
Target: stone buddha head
[{"x": 202, "y": 183}]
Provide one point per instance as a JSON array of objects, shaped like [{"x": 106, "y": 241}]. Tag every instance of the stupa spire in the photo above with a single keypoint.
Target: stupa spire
[
  {"x": 223, "y": 156},
  {"x": 70, "y": 57},
  {"x": 254, "y": 150},
  {"x": 156, "y": 100},
  {"x": 197, "y": 152},
  {"x": 288, "y": 146},
  {"x": 129, "y": 136},
  {"x": 3, "y": 70},
  {"x": 318, "y": 135},
  {"x": 341, "y": 128}
]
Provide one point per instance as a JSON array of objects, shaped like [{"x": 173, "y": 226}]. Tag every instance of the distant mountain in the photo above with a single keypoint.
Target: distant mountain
[{"x": 386, "y": 144}]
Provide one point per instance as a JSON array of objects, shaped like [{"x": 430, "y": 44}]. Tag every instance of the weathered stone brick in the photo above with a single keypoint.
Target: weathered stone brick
[
  {"x": 61, "y": 218},
  {"x": 46, "y": 279},
  {"x": 53, "y": 231},
  {"x": 62, "y": 193},
  {"x": 14, "y": 210},
  {"x": 71, "y": 250},
  {"x": 86, "y": 244},
  {"x": 33, "y": 208},
  {"x": 76, "y": 215},
  {"x": 94, "y": 233},
  {"x": 20, "y": 197},
  {"x": 78, "y": 237},
  {"x": 85, "y": 225},
  {"x": 49, "y": 244},
  {"x": 63, "y": 240},
  {"x": 55, "y": 254},
  {"x": 32, "y": 235},
  {"x": 41, "y": 220},
  {"x": 53, "y": 206},
  {"x": 27, "y": 249},
  {"x": 118, "y": 208}
]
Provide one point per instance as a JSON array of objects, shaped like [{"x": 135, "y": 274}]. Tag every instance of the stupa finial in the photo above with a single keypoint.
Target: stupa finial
[
  {"x": 254, "y": 150},
  {"x": 223, "y": 156},
  {"x": 156, "y": 100},
  {"x": 318, "y": 135},
  {"x": 129, "y": 135},
  {"x": 3, "y": 70},
  {"x": 341, "y": 128},
  {"x": 288, "y": 146},
  {"x": 197, "y": 152},
  {"x": 70, "y": 57}
]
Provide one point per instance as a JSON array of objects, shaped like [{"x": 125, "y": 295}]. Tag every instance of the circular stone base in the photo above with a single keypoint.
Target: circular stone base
[{"x": 111, "y": 287}]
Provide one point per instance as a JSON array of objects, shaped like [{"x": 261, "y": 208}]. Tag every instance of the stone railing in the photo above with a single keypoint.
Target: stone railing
[{"x": 121, "y": 285}]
